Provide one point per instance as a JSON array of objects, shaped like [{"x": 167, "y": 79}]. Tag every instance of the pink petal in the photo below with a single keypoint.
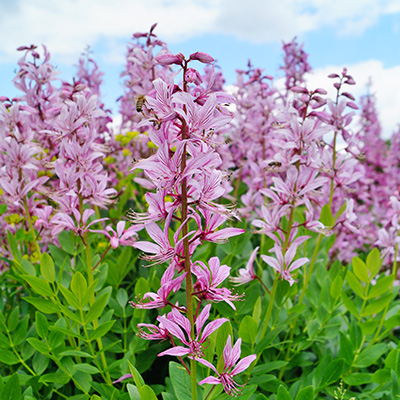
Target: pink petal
[
  {"x": 243, "y": 364},
  {"x": 211, "y": 380},
  {"x": 211, "y": 327},
  {"x": 175, "y": 351}
]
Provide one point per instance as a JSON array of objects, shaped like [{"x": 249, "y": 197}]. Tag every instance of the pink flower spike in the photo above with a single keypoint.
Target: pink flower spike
[{"x": 202, "y": 57}]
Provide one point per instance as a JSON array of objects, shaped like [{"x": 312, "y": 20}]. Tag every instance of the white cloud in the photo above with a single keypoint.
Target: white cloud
[
  {"x": 385, "y": 86},
  {"x": 67, "y": 26}
]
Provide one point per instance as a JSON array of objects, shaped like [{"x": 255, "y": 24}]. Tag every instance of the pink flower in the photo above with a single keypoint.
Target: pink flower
[
  {"x": 284, "y": 263},
  {"x": 122, "y": 236},
  {"x": 153, "y": 332},
  {"x": 168, "y": 285},
  {"x": 209, "y": 278},
  {"x": 231, "y": 356},
  {"x": 212, "y": 222},
  {"x": 162, "y": 251},
  {"x": 178, "y": 321},
  {"x": 246, "y": 274},
  {"x": 80, "y": 226}
]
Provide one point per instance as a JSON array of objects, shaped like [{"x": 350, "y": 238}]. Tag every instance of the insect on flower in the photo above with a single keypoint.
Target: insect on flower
[{"x": 140, "y": 102}]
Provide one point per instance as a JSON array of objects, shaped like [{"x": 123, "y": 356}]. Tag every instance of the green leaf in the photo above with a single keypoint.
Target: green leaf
[
  {"x": 360, "y": 269},
  {"x": 147, "y": 393},
  {"x": 55, "y": 377},
  {"x": 381, "y": 376},
  {"x": 332, "y": 372},
  {"x": 270, "y": 366},
  {"x": 374, "y": 262},
  {"x": 97, "y": 308},
  {"x": 377, "y": 305},
  {"x": 355, "y": 284},
  {"x": 79, "y": 287},
  {"x": 122, "y": 297},
  {"x": 167, "y": 396},
  {"x": 13, "y": 318},
  {"x": 245, "y": 394},
  {"x": 283, "y": 394},
  {"x": 393, "y": 359},
  {"x": 42, "y": 325},
  {"x": 395, "y": 385},
  {"x": 180, "y": 381},
  {"x": 67, "y": 243},
  {"x": 248, "y": 329},
  {"x": 40, "y": 363},
  {"x": 346, "y": 349},
  {"x": 349, "y": 304},
  {"x": 360, "y": 378},
  {"x": 47, "y": 269},
  {"x": 75, "y": 353},
  {"x": 325, "y": 297},
  {"x": 336, "y": 288},
  {"x": 89, "y": 292},
  {"x": 43, "y": 305},
  {"x": 133, "y": 392},
  {"x": 38, "y": 285},
  {"x": 67, "y": 332},
  {"x": 141, "y": 287},
  {"x": 257, "y": 311},
  {"x": 14, "y": 247},
  {"x": 326, "y": 216},
  {"x": 382, "y": 286},
  {"x": 306, "y": 393},
  {"x": 7, "y": 357},
  {"x": 38, "y": 345},
  {"x": 370, "y": 355},
  {"x": 341, "y": 210},
  {"x": 12, "y": 389},
  {"x": 87, "y": 368},
  {"x": 28, "y": 267},
  {"x": 139, "y": 382},
  {"x": 101, "y": 330},
  {"x": 84, "y": 379},
  {"x": 69, "y": 296}
]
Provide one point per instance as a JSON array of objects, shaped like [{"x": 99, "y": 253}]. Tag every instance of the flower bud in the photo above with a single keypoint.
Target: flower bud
[
  {"x": 299, "y": 89},
  {"x": 202, "y": 57},
  {"x": 193, "y": 76},
  {"x": 168, "y": 59}
]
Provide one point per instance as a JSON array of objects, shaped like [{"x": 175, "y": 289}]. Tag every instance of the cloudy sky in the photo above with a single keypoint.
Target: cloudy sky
[{"x": 363, "y": 35}]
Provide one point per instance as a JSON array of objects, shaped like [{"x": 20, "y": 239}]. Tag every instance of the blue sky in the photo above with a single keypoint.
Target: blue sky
[{"x": 363, "y": 35}]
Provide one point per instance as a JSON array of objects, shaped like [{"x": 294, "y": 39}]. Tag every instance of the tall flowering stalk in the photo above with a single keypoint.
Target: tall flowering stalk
[{"x": 184, "y": 170}]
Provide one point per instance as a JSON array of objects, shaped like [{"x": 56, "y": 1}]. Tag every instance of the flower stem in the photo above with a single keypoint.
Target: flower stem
[
  {"x": 186, "y": 249},
  {"x": 31, "y": 229},
  {"x": 270, "y": 307}
]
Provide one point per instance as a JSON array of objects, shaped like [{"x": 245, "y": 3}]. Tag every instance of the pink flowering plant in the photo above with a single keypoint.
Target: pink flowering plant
[{"x": 213, "y": 245}]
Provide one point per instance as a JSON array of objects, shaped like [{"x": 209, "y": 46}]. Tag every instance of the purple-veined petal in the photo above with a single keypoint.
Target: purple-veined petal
[
  {"x": 243, "y": 364},
  {"x": 175, "y": 351},
  {"x": 211, "y": 380},
  {"x": 298, "y": 263},
  {"x": 202, "y": 318},
  {"x": 211, "y": 327}
]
